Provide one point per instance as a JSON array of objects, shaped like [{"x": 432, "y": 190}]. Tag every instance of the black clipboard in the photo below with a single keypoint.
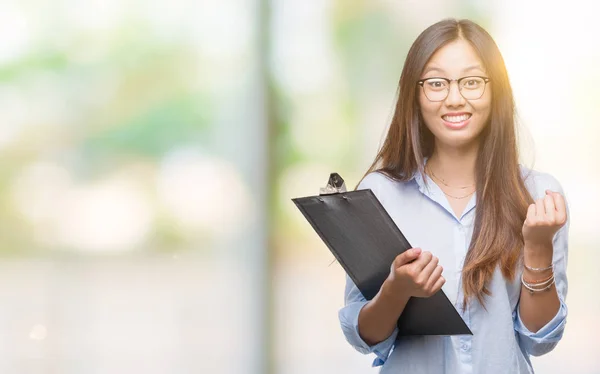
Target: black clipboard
[{"x": 365, "y": 240}]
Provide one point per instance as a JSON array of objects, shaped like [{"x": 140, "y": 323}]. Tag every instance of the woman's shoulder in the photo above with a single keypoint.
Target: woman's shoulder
[
  {"x": 376, "y": 179},
  {"x": 382, "y": 183},
  {"x": 371, "y": 180},
  {"x": 538, "y": 182}
]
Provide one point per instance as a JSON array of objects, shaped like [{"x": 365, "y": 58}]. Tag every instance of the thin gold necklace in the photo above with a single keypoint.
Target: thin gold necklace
[
  {"x": 429, "y": 171},
  {"x": 458, "y": 197},
  {"x": 444, "y": 182}
]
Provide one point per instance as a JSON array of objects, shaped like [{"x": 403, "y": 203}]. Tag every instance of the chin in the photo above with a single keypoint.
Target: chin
[{"x": 458, "y": 140}]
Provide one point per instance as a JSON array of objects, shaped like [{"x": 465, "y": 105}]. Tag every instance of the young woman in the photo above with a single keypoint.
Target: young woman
[{"x": 493, "y": 234}]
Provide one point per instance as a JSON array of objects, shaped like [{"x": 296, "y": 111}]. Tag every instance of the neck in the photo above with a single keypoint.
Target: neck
[{"x": 455, "y": 165}]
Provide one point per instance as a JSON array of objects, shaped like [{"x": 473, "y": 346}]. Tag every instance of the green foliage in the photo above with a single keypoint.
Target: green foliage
[{"x": 156, "y": 130}]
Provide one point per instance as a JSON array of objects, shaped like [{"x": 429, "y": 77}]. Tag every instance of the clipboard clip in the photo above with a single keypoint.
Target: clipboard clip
[{"x": 334, "y": 185}]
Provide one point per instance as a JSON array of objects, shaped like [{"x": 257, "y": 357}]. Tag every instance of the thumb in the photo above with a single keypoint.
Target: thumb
[{"x": 407, "y": 256}]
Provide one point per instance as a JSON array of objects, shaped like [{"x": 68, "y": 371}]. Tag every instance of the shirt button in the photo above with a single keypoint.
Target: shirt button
[{"x": 464, "y": 347}]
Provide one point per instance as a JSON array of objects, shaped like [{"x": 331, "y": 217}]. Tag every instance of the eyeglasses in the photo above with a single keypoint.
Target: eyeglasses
[{"x": 437, "y": 89}]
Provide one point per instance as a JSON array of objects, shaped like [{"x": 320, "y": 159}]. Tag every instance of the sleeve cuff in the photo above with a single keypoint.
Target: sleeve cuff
[
  {"x": 349, "y": 321},
  {"x": 544, "y": 340},
  {"x": 551, "y": 332}
]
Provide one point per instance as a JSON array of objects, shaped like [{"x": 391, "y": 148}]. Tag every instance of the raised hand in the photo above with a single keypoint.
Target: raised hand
[{"x": 544, "y": 218}]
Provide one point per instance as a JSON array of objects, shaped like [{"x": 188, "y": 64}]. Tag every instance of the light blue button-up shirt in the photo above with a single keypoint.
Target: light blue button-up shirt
[{"x": 500, "y": 342}]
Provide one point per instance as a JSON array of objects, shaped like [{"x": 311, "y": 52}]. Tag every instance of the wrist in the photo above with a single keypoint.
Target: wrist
[
  {"x": 535, "y": 247},
  {"x": 391, "y": 296},
  {"x": 538, "y": 249},
  {"x": 539, "y": 257}
]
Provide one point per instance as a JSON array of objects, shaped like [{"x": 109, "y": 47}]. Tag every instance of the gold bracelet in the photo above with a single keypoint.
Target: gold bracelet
[
  {"x": 538, "y": 270},
  {"x": 540, "y": 281},
  {"x": 531, "y": 288}
]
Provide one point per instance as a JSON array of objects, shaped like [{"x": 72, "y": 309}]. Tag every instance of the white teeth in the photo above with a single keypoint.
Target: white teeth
[{"x": 457, "y": 119}]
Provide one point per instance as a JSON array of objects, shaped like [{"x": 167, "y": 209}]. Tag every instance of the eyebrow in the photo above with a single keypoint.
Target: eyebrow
[{"x": 440, "y": 70}]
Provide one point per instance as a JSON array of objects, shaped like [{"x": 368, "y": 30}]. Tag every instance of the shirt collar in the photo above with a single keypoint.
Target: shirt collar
[
  {"x": 419, "y": 178},
  {"x": 432, "y": 191}
]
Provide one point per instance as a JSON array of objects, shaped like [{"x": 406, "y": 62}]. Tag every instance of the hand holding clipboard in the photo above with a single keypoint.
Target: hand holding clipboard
[{"x": 365, "y": 241}]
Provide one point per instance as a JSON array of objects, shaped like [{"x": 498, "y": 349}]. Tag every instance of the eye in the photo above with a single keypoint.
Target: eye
[
  {"x": 472, "y": 82},
  {"x": 436, "y": 84}
]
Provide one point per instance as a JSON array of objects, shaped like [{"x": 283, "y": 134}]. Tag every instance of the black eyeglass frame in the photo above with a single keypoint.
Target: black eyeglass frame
[{"x": 486, "y": 80}]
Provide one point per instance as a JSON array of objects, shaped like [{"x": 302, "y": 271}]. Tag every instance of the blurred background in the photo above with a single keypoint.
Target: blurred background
[{"x": 149, "y": 151}]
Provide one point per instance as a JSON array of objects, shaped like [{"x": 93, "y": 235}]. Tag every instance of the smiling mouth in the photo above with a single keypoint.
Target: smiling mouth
[{"x": 457, "y": 119}]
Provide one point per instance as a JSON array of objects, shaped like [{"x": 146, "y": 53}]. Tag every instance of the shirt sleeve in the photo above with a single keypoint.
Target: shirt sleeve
[
  {"x": 544, "y": 340},
  {"x": 354, "y": 301}
]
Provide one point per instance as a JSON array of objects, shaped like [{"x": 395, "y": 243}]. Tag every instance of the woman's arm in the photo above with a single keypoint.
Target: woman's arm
[
  {"x": 538, "y": 308},
  {"x": 370, "y": 326},
  {"x": 544, "y": 219},
  {"x": 354, "y": 302},
  {"x": 378, "y": 318},
  {"x": 413, "y": 273}
]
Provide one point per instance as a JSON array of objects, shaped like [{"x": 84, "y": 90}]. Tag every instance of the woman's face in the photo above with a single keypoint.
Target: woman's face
[{"x": 455, "y": 121}]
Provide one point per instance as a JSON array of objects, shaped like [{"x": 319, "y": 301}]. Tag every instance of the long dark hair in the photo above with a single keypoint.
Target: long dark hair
[{"x": 502, "y": 198}]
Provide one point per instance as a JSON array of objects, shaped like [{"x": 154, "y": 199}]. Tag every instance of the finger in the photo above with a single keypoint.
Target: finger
[
  {"x": 435, "y": 275},
  {"x": 561, "y": 207},
  {"x": 549, "y": 208},
  {"x": 422, "y": 261},
  {"x": 406, "y": 257},
  {"x": 427, "y": 271},
  {"x": 540, "y": 211},
  {"x": 530, "y": 213},
  {"x": 438, "y": 285}
]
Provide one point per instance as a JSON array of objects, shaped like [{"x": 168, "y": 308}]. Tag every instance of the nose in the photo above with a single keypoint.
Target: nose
[{"x": 454, "y": 98}]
